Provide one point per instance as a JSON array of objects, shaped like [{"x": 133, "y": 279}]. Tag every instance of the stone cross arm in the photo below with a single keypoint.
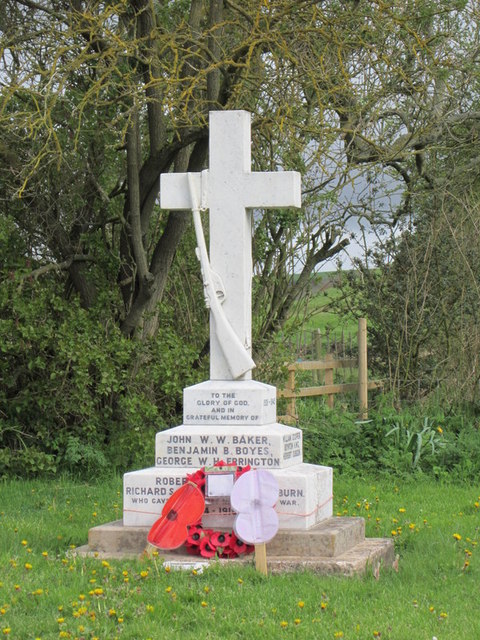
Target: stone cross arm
[{"x": 263, "y": 190}]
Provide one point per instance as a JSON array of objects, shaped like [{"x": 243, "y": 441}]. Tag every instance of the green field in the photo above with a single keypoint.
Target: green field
[{"x": 46, "y": 592}]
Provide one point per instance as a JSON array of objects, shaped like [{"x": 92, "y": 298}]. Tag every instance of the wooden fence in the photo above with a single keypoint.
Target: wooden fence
[{"x": 328, "y": 365}]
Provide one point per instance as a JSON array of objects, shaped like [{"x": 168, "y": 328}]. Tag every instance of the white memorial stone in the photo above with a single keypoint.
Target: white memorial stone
[
  {"x": 305, "y": 497},
  {"x": 230, "y": 417},
  {"x": 272, "y": 446},
  {"x": 230, "y": 402}
]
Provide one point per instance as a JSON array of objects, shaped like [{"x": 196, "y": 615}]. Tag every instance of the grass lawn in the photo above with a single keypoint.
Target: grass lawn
[{"x": 47, "y": 593}]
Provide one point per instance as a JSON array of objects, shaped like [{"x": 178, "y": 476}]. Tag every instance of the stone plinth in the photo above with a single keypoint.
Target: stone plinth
[
  {"x": 335, "y": 546},
  {"x": 271, "y": 446}
]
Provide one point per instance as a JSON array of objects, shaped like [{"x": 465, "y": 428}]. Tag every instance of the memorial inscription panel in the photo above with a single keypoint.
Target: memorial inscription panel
[
  {"x": 272, "y": 446},
  {"x": 230, "y": 402}
]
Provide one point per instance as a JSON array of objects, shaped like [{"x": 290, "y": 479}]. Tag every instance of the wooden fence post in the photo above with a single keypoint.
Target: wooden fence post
[
  {"x": 328, "y": 379},
  {"x": 362, "y": 368},
  {"x": 291, "y": 404},
  {"x": 317, "y": 348}
]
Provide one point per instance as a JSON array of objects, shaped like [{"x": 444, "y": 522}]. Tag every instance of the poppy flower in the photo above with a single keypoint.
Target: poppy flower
[
  {"x": 207, "y": 550},
  {"x": 219, "y": 539},
  {"x": 241, "y": 470},
  {"x": 195, "y": 535},
  {"x": 238, "y": 545}
]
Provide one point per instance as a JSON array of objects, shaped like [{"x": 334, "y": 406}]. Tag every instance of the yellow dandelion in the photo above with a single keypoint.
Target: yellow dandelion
[
  {"x": 120, "y": 620},
  {"x": 338, "y": 634},
  {"x": 6, "y": 631},
  {"x": 240, "y": 581},
  {"x": 150, "y": 608},
  {"x": 301, "y": 604},
  {"x": 168, "y": 589},
  {"x": 297, "y": 621},
  {"x": 323, "y": 605},
  {"x": 440, "y": 430},
  {"x": 443, "y": 615},
  {"x": 81, "y": 597},
  {"x": 45, "y": 554},
  {"x": 60, "y": 620},
  {"x": 284, "y": 624},
  {"x": 105, "y": 564},
  {"x": 143, "y": 574},
  {"x": 393, "y": 532},
  {"x": 457, "y": 536},
  {"x": 98, "y": 591},
  {"x": 402, "y": 510},
  {"x": 204, "y": 604},
  {"x": 28, "y": 566},
  {"x": 24, "y": 543},
  {"x": 206, "y": 589}
]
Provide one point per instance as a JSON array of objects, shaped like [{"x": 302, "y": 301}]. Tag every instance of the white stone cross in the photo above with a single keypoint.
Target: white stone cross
[{"x": 228, "y": 188}]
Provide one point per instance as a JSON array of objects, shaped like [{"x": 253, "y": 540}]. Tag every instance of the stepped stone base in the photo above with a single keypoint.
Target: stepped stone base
[{"x": 335, "y": 546}]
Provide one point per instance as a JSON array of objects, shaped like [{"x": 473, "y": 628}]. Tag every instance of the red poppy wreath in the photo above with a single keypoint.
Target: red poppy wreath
[{"x": 207, "y": 542}]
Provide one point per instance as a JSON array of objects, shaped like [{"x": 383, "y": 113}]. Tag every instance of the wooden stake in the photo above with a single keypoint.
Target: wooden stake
[
  {"x": 261, "y": 558},
  {"x": 362, "y": 368}
]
